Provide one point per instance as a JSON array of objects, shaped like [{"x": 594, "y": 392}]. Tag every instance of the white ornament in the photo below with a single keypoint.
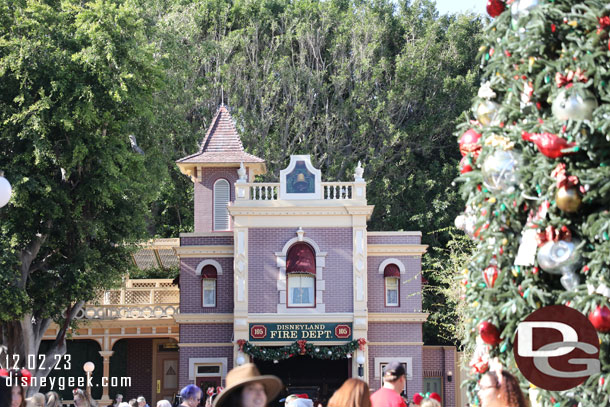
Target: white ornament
[
  {"x": 526, "y": 256},
  {"x": 559, "y": 257},
  {"x": 500, "y": 171},
  {"x": 570, "y": 281},
  {"x": 5, "y": 190},
  {"x": 571, "y": 105},
  {"x": 486, "y": 92}
]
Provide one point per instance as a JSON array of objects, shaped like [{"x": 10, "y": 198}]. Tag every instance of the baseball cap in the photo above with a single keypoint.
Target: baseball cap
[{"x": 394, "y": 369}]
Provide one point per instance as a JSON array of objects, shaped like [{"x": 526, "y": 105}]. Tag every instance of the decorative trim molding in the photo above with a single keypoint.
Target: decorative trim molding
[
  {"x": 204, "y": 251},
  {"x": 392, "y": 260},
  {"x": 302, "y": 318},
  {"x": 193, "y": 362},
  {"x": 398, "y": 317},
  {"x": 396, "y": 249},
  {"x": 255, "y": 208},
  {"x": 207, "y": 234},
  {"x": 209, "y": 262},
  {"x": 413, "y": 233},
  {"x": 203, "y": 318}
]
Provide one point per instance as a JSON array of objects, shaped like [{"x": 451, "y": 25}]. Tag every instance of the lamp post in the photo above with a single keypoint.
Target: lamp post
[
  {"x": 88, "y": 368},
  {"x": 360, "y": 361},
  {"x": 5, "y": 190}
]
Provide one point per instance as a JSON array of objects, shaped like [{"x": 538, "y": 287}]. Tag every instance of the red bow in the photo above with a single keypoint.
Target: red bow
[
  {"x": 361, "y": 343},
  {"x": 301, "y": 344},
  {"x": 604, "y": 22},
  {"x": 578, "y": 76},
  {"x": 219, "y": 389},
  {"x": 241, "y": 343},
  {"x": 563, "y": 180},
  {"x": 210, "y": 391},
  {"x": 550, "y": 234}
]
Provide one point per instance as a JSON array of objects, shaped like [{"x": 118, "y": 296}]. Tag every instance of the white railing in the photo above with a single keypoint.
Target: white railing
[
  {"x": 145, "y": 298},
  {"x": 270, "y": 191}
]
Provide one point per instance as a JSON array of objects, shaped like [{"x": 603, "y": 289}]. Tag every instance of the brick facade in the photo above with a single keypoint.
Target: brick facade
[
  {"x": 139, "y": 368},
  {"x": 204, "y": 203},
  {"x": 191, "y": 286},
  {"x": 409, "y": 288},
  {"x": 263, "y": 271}
]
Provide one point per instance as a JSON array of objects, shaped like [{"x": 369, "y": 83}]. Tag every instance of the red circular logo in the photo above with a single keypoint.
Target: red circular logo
[
  {"x": 556, "y": 348},
  {"x": 258, "y": 331},
  {"x": 343, "y": 331}
]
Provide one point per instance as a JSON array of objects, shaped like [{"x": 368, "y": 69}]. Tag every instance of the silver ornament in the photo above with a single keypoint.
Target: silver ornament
[
  {"x": 570, "y": 281},
  {"x": 570, "y": 105},
  {"x": 521, "y": 8},
  {"x": 486, "y": 112},
  {"x": 460, "y": 222},
  {"x": 500, "y": 171},
  {"x": 559, "y": 257}
]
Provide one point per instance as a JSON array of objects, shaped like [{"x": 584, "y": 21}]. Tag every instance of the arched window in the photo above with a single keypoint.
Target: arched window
[
  {"x": 222, "y": 196},
  {"x": 209, "y": 276},
  {"x": 301, "y": 276},
  {"x": 391, "y": 275}
]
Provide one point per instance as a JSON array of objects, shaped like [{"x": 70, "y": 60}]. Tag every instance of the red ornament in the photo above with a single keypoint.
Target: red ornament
[
  {"x": 490, "y": 275},
  {"x": 465, "y": 164},
  {"x": 361, "y": 343},
  {"x": 600, "y": 318},
  {"x": 469, "y": 142},
  {"x": 549, "y": 144},
  {"x": 495, "y": 8},
  {"x": 489, "y": 333}
]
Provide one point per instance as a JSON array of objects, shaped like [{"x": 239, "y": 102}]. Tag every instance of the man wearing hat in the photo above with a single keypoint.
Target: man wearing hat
[
  {"x": 246, "y": 387},
  {"x": 394, "y": 379}
]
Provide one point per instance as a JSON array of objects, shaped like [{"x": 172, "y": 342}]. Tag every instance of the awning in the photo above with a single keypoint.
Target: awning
[
  {"x": 209, "y": 271},
  {"x": 391, "y": 270},
  {"x": 301, "y": 259}
]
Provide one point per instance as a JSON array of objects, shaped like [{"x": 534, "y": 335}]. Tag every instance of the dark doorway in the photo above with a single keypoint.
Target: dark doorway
[{"x": 302, "y": 374}]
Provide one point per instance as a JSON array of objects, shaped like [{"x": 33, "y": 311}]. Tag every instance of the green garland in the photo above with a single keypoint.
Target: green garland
[{"x": 286, "y": 352}]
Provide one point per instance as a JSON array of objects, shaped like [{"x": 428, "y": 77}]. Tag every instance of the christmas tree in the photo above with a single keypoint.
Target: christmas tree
[{"x": 536, "y": 182}]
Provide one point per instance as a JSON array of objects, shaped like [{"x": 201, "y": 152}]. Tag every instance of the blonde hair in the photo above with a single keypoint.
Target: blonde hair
[
  {"x": 429, "y": 403},
  {"x": 53, "y": 399},
  {"x": 353, "y": 393}
]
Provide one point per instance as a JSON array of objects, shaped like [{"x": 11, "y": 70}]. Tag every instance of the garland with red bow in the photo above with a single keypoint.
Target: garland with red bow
[
  {"x": 569, "y": 79},
  {"x": 301, "y": 347},
  {"x": 550, "y": 234}
]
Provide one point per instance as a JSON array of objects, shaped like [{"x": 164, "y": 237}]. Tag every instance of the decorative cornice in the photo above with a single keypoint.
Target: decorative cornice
[
  {"x": 204, "y": 251},
  {"x": 204, "y": 318},
  {"x": 301, "y": 318},
  {"x": 396, "y": 249},
  {"x": 398, "y": 317},
  {"x": 206, "y": 234},
  {"x": 299, "y": 210},
  {"x": 413, "y": 233}
]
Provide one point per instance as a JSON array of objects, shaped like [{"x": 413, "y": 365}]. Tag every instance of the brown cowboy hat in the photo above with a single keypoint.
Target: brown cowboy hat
[{"x": 244, "y": 375}]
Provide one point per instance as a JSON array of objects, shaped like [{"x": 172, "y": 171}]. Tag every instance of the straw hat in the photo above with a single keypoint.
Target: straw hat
[{"x": 244, "y": 375}]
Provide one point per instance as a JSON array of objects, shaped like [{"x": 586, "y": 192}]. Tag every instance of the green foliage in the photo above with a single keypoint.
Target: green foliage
[
  {"x": 534, "y": 48},
  {"x": 444, "y": 293},
  {"x": 73, "y": 75}
]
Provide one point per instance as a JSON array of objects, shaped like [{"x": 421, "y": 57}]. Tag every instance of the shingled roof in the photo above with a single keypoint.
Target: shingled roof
[{"x": 221, "y": 143}]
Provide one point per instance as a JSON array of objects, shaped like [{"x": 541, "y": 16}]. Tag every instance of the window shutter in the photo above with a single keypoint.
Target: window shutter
[{"x": 222, "y": 196}]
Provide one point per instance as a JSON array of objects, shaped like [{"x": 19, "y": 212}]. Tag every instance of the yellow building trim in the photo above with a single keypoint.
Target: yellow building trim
[
  {"x": 203, "y": 318},
  {"x": 204, "y": 345},
  {"x": 398, "y": 317},
  {"x": 394, "y": 233},
  {"x": 207, "y": 234},
  {"x": 395, "y": 343},
  {"x": 204, "y": 251},
  {"x": 396, "y": 249},
  {"x": 301, "y": 318}
]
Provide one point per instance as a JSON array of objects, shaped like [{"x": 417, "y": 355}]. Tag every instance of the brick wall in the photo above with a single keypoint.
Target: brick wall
[
  {"x": 190, "y": 287},
  {"x": 394, "y": 332},
  {"x": 263, "y": 270},
  {"x": 410, "y": 285},
  {"x": 204, "y": 196},
  {"x": 415, "y": 385},
  {"x": 393, "y": 239},
  {"x": 205, "y": 333},
  {"x": 139, "y": 368},
  {"x": 202, "y": 352},
  {"x": 441, "y": 359},
  {"x": 206, "y": 240}
]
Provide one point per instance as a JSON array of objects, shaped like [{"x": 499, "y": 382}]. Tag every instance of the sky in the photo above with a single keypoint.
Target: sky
[{"x": 455, "y": 6}]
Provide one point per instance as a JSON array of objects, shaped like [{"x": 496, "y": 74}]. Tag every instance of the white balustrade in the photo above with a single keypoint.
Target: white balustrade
[{"x": 268, "y": 191}]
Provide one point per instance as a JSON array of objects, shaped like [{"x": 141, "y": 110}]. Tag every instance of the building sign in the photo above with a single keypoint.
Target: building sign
[{"x": 294, "y": 332}]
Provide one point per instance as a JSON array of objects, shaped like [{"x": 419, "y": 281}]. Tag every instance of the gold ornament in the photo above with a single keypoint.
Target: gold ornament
[
  {"x": 499, "y": 142},
  {"x": 486, "y": 112},
  {"x": 568, "y": 199}
]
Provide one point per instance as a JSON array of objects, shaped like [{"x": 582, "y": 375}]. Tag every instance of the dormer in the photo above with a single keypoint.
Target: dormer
[{"x": 214, "y": 171}]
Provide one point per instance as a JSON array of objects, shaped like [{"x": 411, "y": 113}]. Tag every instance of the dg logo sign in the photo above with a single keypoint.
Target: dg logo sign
[{"x": 556, "y": 348}]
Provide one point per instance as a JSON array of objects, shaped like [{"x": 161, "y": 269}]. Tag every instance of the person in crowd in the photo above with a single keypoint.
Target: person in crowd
[
  {"x": 82, "y": 399},
  {"x": 133, "y": 403},
  {"x": 429, "y": 402},
  {"x": 123, "y": 404},
  {"x": 191, "y": 396},
  {"x": 142, "y": 402},
  {"x": 19, "y": 388},
  {"x": 37, "y": 400},
  {"x": 394, "y": 379},
  {"x": 118, "y": 399},
  {"x": 499, "y": 388},
  {"x": 6, "y": 392},
  {"x": 53, "y": 399},
  {"x": 164, "y": 403},
  {"x": 246, "y": 387},
  {"x": 353, "y": 393}
]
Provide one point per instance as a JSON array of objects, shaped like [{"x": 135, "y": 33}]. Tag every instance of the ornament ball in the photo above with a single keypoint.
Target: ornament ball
[
  {"x": 489, "y": 333},
  {"x": 495, "y": 8},
  {"x": 571, "y": 105},
  {"x": 486, "y": 112},
  {"x": 568, "y": 199},
  {"x": 600, "y": 318}
]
